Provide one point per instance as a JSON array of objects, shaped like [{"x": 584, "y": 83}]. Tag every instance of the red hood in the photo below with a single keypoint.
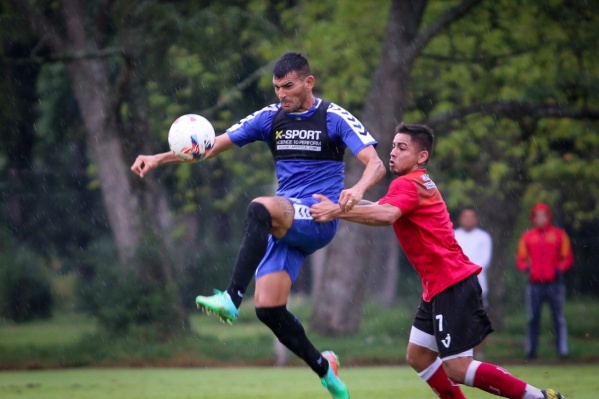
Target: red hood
[{"x": 541, "y": 206}]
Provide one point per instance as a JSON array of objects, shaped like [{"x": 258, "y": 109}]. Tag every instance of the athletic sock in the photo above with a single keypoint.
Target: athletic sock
[
  {"x": 532, "y": 393},
  {"x": 251, "y": 251},
  {"x": 435, "y": 377},
  {"x": 291, "y": 333},
  {"x": 495, "y": 380}
]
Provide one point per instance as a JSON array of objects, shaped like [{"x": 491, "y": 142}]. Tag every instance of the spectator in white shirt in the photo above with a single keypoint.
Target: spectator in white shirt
[{"x": 478, "y": 246}]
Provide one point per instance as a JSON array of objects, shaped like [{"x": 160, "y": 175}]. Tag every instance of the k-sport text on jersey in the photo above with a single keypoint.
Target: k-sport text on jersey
[{"x": 298, "y": 134}]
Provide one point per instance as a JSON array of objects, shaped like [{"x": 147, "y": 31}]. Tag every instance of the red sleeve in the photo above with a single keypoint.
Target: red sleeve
[
  {"x": 522, "y": 259},
  {"x": 402, "y": 194},
  {"x": 566, "y": 256}
]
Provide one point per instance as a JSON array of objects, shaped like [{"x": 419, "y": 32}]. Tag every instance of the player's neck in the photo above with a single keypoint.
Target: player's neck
[{"x": 309, "y": 103}]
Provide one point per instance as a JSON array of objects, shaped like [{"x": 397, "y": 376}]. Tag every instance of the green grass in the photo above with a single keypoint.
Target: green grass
[
  {"x": 62, "y": 329},
  {"x": 74, "y": 340},
  {"x": 576, "y": 382}
]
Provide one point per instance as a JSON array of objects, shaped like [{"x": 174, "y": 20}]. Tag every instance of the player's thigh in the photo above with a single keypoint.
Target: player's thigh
[
  {"x": 459, "y": 318},
  {"x": 281, "y": 211},
  {"x": 305, "y": 234},
  {"x": 422, "y": 346},
  {"x": 420, "y": 357},
  {"x": 272, "y": 289}
]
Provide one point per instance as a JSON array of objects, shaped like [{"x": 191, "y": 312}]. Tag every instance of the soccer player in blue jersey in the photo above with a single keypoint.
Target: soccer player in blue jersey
[{"x": 307, "y": 137}]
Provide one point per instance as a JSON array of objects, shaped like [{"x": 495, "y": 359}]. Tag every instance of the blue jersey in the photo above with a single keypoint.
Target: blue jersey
[{"x": 300, "y": 178}]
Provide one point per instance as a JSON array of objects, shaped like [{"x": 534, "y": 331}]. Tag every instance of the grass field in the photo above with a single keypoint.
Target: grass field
[
  {"x": 75, "y": 340},
  {"x": 576, "y": 382}
]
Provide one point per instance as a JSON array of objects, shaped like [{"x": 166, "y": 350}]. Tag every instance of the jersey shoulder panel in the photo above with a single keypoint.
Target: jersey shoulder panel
[
  {"x": 253, "y": 127},
  {"x": 337, "y": 112},
  {"x": 262, "y": 113}
]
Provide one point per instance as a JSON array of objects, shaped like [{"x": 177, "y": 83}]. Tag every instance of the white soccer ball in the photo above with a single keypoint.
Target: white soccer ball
[{"x": 191, "y": 137}]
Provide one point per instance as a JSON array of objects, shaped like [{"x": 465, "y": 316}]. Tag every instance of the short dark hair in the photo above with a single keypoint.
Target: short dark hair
[
  {"x": 291, "y": 62},
  {"x": 469, "y": 208},
  {"x": 421, "y": 135}
]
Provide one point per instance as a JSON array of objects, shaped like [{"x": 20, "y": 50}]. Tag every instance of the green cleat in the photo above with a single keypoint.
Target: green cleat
[
  {"x": 552, "y": 394},
  {"x": 221, "y": 304},
  {"x": 331, "y": 381}
]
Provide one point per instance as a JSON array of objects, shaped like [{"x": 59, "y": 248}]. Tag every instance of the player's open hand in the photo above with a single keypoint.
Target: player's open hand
[
  {"x": 143, "y": 164},
  {"x": 325, "y": 210}
]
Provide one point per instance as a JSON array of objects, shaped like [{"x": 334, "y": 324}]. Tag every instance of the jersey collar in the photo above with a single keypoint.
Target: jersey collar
[{"x": 308, "y": 113}]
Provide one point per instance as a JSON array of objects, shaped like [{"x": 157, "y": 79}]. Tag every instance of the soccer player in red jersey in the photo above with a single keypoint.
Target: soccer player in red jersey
[{"x": 451, "y": 319}]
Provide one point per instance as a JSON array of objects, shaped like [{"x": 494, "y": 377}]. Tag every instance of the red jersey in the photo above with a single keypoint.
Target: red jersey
[
  {"x": 542, "y": 252},
  {"x": 426, "y": 235}
]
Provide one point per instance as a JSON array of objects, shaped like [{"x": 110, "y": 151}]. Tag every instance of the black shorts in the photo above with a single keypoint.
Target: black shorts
[{"x": 456, "y": 318}]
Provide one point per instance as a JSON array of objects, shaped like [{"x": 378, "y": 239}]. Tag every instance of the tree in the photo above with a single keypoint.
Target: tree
[
  {"x": 494, "y": 142},
  {"x": 18, "y": 134},
  {"x": 386, "y": 102},
  {"x": 132, "y": 206},
  {"x": 446, "y": 86},
  {"x": 130, "y": 79}
]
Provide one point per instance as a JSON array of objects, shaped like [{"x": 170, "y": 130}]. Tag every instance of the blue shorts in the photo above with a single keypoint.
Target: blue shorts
[{"x": 303, "y": 238}]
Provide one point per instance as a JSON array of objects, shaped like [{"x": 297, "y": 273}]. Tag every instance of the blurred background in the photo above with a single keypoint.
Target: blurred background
[{"x": 98, "y": 266}]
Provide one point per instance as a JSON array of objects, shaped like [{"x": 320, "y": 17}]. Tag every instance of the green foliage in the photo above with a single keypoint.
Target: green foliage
[
  {"x": 25, "y": 289},
  {"x": 125, "y": 297},
  {"x": 191, "y": 57},
  {"x": 529, "y": 56},
  {"x": 504, "y": 163},
  {"x": 342, "y": 40},
  {"x": 200, "y": 72},
  {"x": 214, "y": 58}
]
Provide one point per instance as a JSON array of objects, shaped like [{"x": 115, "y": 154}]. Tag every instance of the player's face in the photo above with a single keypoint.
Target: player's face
[
  {"x": 406, "y": 156},
  {"x": 540, "y": 218},
  {"x": 468, "y": 219},
  {"x": 294, "y": 92}
]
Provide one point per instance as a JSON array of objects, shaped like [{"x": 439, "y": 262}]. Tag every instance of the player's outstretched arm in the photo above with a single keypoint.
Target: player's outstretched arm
[
  {"x": 145, "y": 163},
  {"x": 373, "y": 214},
  {"x": 374, "y": 171}
]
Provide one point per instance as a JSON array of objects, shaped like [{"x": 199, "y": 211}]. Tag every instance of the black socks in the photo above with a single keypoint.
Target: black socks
[
  {"x": 283, "y": 324},
  {"x": 291, "y": 333},
  {"x": 253, "y": 247}
]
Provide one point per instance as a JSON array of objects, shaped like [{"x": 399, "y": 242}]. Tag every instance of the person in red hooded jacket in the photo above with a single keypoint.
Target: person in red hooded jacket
[{"x": 544, "y": 252}]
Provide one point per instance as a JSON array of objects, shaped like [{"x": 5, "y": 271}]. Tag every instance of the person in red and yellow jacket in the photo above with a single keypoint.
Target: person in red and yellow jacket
[{"x": 544, "y": 252}]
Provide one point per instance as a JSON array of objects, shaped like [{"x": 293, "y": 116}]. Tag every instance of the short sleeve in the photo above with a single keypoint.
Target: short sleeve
[
  {"x": 346, "y": 127},
  {"x": 254, "y": 127},
  {"x": 402, "y": 194}
]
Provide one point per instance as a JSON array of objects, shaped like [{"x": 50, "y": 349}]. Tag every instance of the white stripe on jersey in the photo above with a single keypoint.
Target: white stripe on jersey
[
  {"x": 272, "y": 107},
  {"x": 352, "y": 122}
]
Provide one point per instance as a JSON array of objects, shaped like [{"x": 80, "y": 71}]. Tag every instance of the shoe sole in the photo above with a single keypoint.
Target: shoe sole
[{"x": 210, "y": 310}]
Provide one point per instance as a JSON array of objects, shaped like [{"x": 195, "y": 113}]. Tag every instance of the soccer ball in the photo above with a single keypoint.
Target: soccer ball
[{"x": 191, "y": 137}]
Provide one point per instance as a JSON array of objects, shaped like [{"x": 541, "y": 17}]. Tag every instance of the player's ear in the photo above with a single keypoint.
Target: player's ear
[
  {"x": 423, "y": 157},
  {"x": 309, "y": 82}
]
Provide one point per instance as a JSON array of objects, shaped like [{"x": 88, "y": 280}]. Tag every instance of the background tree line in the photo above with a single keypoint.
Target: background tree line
[{"x": 510, "y": 89}]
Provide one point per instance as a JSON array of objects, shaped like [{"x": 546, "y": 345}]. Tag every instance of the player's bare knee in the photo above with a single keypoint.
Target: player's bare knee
[
  {"x": 411, "y": 360},
  {"x": 456, "y": 371},
  {"x": 452, "y": 374},
  {"x": 280, "y": 209},
  {"x": 418, "y": 359}
]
